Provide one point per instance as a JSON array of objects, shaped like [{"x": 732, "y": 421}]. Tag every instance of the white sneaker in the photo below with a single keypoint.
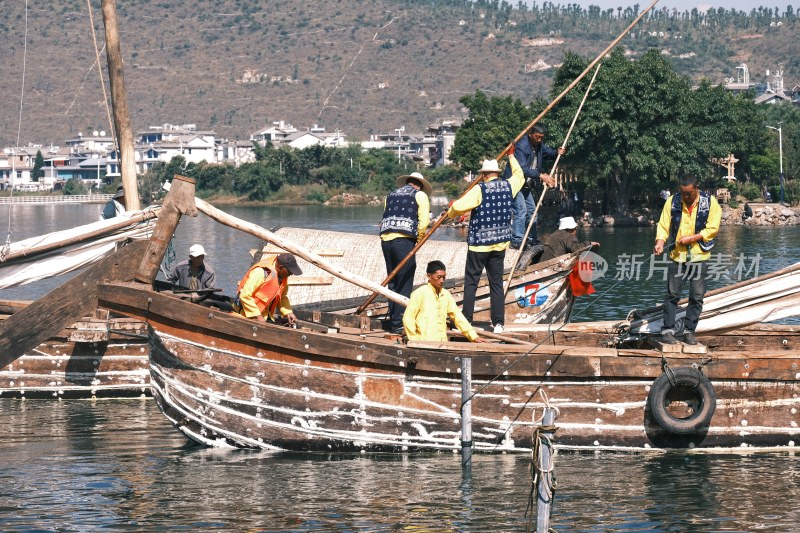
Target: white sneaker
[{"x": 498, "y": 328}]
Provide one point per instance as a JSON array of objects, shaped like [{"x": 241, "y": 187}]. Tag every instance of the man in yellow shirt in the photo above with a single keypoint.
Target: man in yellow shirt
[
  {"x": 688, "y": 224},
  {"x": 489, "y": 234},
  {"x": 430, "y": 305},
  {"x": 405, "y": 221}
]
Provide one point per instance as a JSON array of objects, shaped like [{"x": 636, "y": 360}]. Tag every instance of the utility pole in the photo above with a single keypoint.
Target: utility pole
[{"x": 780, "y": 154}]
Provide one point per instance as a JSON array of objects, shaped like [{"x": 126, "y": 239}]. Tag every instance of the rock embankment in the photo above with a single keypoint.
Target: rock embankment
[
  {"x": 354, "y": 199},
  {"x": 763, "y": 215}
]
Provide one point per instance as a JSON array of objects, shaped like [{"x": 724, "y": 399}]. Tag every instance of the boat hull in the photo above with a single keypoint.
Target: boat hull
[{"x": 226, "y": 381}]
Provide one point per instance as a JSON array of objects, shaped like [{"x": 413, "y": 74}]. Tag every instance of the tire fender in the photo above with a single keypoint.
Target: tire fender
[{"x": 700, "y": 386}]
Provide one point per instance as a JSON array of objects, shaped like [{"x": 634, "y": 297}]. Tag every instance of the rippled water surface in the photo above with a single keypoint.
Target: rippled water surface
[{"x": 118, "y": 465}]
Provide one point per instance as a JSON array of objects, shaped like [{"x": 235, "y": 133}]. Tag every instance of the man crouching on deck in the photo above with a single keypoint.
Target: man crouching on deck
[
  {"x": 264, "y": 289},
  {"x": 425, "y": 318}
]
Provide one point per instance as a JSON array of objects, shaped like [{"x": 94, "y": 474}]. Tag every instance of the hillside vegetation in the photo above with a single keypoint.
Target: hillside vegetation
[{"x": 362, "y": 66}]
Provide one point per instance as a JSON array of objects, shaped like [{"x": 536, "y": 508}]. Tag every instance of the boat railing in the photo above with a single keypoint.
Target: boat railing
[{"x": 57, "y": 199}]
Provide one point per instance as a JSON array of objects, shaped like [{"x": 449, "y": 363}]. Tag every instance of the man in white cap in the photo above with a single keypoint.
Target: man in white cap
[
  {"x": 564, "y": 240},
  {"x": 193, "y": 273},
  {"x": 489, "y": 234},
  {"x": 116, "y": 206},
  {"x": 405, "y": 221}
]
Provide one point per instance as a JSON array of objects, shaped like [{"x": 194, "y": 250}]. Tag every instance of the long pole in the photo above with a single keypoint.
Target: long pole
[
  {"x": 466, "y": 412},
  {"x": 544, "y": 489},
  {"x": 544, "y": 190},
  {"x": 780, "y": 156},
  {"x": 119, "y": 102},
  {"x": 296, "y": 249},
  {"x": 507, "y": 148}
]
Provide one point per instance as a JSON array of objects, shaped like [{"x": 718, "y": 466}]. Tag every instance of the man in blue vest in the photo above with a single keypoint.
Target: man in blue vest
[
  {"x": 405, "y": 221},
  {"x": 688, "y": 224},
  {"x": 489, "y": 234},
  {"x": 530, "y": 152}
]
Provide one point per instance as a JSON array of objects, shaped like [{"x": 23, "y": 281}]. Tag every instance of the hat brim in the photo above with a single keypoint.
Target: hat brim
[{"x": 427, "y": 188}]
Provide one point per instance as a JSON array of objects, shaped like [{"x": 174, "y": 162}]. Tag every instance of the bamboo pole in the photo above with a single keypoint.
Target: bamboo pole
[
  {"x": 466, "y": 412},
  {"x": 308, "y": 255},
  {"x": 119, "y": 102},
  {"x": 552, "y": 104},
  {"x": 544, "y": 190}
]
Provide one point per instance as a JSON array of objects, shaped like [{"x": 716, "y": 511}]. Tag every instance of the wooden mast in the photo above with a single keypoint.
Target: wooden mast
[{"x": 119, "y": 104}]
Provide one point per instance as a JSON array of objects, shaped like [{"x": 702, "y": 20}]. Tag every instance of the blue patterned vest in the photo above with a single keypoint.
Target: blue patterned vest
[
  {"x": 402, "y": 212},
  {"x": 490, "y": 222},
  {"x": 703, "y": 208}
]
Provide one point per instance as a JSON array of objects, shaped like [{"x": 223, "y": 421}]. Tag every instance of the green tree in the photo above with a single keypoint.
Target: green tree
[
  {"x": 37, "y": 172},
  {"x": 75, "y": 186}
]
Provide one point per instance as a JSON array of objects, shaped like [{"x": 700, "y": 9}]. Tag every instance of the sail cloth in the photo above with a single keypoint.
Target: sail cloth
[
  {"x": 63, "y": 251},
  {"x": 763, "y": 299}
]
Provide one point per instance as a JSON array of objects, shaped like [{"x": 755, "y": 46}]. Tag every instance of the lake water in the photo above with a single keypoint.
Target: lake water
[{"x": 118, "y": 465}]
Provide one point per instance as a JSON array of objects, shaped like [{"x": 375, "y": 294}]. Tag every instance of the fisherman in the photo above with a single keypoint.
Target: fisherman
[
  {"x": 263, "y": 291},
  {"x": 425, "y": 318},
  {"x": 747, "y": 212},
  {"x": 530, "y": 151},
  {"x": 405, "y": 220},
  {"x": 689, "y": 222},
  {"x": 115, "y": 206},
  {"x": 194, "y": 273},
  {"x": 564, "y": 240},
  {"x": 489, "y": 234}
]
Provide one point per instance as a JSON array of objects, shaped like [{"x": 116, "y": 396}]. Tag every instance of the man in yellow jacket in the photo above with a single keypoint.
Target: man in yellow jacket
[
  {"x": 425, "y": 318},
  {"x": 688, "y": 224},
  {"x": 263, "y": 291}
]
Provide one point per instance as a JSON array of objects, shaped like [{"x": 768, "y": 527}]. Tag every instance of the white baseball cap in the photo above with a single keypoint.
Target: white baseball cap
[
  {"x": 196, "y": 250},
  {"x": 567, "y": 223}
]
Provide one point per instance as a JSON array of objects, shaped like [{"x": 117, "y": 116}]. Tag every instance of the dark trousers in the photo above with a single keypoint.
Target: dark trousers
[
  {"x": 493, "y": 262},
  {"x": 394, "y": 252},
  {"x": 677, "y": 275}
]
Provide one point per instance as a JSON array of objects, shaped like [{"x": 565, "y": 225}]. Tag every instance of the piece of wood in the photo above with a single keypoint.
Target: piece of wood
[
  {"x": 64, "y": 305},
  {"x": 274, "y": 251},
  {"x": 296, "y": 249},
  {"x": 119, "y": 103},
  {"x": 310, "y": 280},
  {"x": 179, "y": 201}
]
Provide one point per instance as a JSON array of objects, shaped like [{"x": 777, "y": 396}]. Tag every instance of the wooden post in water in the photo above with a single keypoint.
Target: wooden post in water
[
  {"x": 544, "y": 488},
  {"x": 466, "y": 412}
]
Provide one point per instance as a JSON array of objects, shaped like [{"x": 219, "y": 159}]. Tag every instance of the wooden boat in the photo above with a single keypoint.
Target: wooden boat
[{"x": 338, "y": 385}]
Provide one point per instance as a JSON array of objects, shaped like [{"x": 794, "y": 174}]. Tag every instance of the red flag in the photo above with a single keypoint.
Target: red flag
[{"x": 579, "y": 287}]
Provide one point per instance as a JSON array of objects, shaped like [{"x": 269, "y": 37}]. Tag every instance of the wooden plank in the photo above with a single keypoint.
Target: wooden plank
[
  {"x": 270, "y": 250},
  {"x": 309, "y": 280},
  {"x": 62, "y": 306}
]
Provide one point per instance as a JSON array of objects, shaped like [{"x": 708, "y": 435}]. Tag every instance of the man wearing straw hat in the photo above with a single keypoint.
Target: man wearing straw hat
[
  {"x": 405, "y": 220},
  {"x": 530, "y": 150},
  {"x": 489, "y": 234}
]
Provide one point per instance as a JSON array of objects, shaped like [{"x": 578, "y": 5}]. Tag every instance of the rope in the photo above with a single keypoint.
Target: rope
[
  {"x": 102, "y": 81},
  {"x": 7, "y": 245},
  {"x": 542, "y": 437}
]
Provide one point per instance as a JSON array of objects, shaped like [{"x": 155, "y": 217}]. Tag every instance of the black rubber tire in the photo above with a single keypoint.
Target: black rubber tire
[{"x": 701, "y": 386}]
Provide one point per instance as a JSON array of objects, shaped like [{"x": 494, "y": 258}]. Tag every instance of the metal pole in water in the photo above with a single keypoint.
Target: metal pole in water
[
  {"x": 545, "y": 488},
  {"x": 466, "y": 412}
]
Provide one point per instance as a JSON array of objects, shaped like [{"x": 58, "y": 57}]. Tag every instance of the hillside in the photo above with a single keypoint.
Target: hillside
[{"x": 362, "y": 66}]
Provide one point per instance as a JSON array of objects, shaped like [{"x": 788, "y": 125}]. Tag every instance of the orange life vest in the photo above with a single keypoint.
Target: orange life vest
[{"x": 268, "y": 295}]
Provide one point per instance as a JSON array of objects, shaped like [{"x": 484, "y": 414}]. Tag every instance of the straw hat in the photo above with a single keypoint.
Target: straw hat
[
  {"x": 490, "y": 165},
  {"x": 426, "y": 186},
  {"x": 567, "y": 223}
]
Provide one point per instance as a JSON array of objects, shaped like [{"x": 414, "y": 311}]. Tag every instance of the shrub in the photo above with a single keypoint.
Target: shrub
[
  {"x": 750, "y": 191},
  {"x": 75, "y": 186}
]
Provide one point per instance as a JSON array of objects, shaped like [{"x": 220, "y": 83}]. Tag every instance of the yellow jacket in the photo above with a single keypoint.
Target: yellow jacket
[
  {"x": 692, "y": 253},
  {"x": 474, "y": 197},
  {"x": 423, "y": 218},
  {"x": 247, "y": 302},
  {"x": 425, "y": 318}
]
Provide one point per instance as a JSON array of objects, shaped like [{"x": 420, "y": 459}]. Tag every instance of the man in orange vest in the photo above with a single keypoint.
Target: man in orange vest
[{"x": 263, "y": 290}]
